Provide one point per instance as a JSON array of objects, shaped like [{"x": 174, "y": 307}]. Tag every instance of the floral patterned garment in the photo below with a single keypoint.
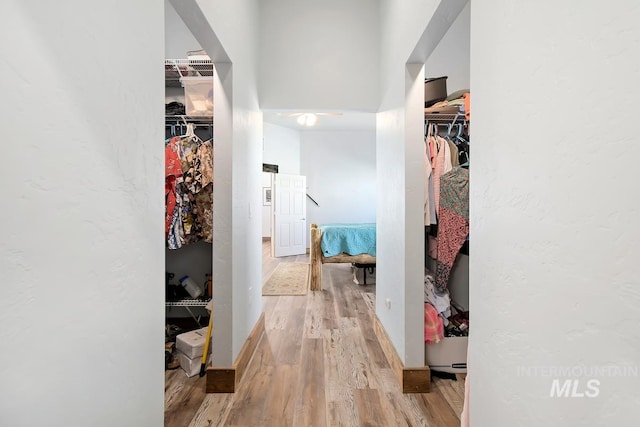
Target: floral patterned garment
[
  {"x": 453, "y": 222},
  {"x": 190, "y": 162},
  {"x": 188, "y": 215},
  {"x": 203, "y": 184},
  {"x": 205, "y": 155},
  {"x": 175, "y": 240},
  {"x": 197, "y": 163},
  {"x": 188, "y": 191},
  {"x": 190, "y": 185},
  {"x": 204, "y": 213}
]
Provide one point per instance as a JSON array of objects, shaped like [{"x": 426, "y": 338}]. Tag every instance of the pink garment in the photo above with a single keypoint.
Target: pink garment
[
  {"x": 427, "y": 174},
  {"x": 442, "y": 166},
  {"x": 433, "y": 149},
  {"x": 433, "y": 325}
]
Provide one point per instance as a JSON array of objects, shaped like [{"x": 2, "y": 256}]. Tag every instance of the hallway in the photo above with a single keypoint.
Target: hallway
[{"x": 318, "y": 364}]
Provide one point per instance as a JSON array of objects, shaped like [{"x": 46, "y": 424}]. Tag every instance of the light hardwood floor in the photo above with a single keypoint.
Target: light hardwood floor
[{"x": 319, "y": 364}]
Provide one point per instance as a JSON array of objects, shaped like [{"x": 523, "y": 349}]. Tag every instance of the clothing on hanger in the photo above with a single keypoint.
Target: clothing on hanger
[
  {"x": 454, "y": 153},
  {"x": 427, "y": 185},
  {"x": 453, "y": 222},
  {"x": 442, "y": 166},
  {"x": 173, "y": 175},
  {"x": 188, "y": 189}
]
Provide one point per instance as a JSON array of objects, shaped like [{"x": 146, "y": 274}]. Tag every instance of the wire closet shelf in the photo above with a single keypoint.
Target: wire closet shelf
[{"x": 176, "y": 69}]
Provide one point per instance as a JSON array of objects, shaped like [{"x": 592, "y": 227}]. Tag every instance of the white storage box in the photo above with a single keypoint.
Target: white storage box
[
  {"x": 191, "y": 366},
  {"x": 192, "y": 343},
  {"x": 449, "y": 355},
  {"x": 198, "y": 95}
]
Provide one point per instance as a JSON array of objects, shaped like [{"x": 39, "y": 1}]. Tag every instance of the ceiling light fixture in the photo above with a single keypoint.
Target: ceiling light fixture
[
  {"x": 307, "y": 119},
  {"x": 312, "y": 119}
]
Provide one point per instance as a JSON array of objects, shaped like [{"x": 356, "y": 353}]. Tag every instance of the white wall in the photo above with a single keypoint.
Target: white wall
[
  {"x": 82, "y": 307},
  {"x": 327, "y": 51},
  {"x": 281, "y": 146},
  {"x": 400, "y": 245},
  {"x": 178, "y": 39},
  {"x": 555, "y": 219},
  {"x": 237, "y": 246},
  {"x": 237, "y": 25},
  {"x": 451, "y": 57},
  {"x": 341, "y": 176}
]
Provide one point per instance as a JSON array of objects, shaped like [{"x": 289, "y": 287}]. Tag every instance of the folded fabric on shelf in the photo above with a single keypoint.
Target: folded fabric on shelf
[{"x": 433, "y": 325}]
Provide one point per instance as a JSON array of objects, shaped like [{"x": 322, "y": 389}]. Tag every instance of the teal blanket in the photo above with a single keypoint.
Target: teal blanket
[{"x": 353, "y": 239}]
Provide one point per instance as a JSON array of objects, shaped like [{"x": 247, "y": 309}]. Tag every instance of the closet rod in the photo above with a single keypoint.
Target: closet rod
[
  {"x": 169, "y": 124},
  {"x": 445, "y": 118},
  {"x": 188, "y": 119}
]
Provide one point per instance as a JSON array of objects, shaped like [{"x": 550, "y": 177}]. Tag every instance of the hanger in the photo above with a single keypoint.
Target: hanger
[
  {"x": 449, "y": 129},
  {"x": 459, "y": 138},
  {"x": 465, "y": 164},
  {"x": 464, "y": 144},
  {"x": 429, "y": 129},
  {"x": 191, "y": 130},
  {"x": 433, "y": 129}
]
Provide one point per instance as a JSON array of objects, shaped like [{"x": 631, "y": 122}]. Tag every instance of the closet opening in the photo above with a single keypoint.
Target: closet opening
[
  {"x": 442, "y": 77},
  {"x": 189, "y": 148},
  {"x": 233, "y": 255},
  {"x": 189, "y": 153}
]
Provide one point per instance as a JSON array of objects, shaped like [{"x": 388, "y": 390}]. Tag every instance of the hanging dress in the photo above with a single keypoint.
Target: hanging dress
[
  {"x": 173, "y": 174},
  {"x": 453, "y": 222}
]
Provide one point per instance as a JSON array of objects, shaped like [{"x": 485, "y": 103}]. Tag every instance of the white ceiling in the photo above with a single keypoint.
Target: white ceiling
[
  {"x": 319, "y": 54},
  {"x": 348, "y": 121}
]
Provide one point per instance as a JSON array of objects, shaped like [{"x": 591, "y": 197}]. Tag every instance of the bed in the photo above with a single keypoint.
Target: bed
[{"x": 340, "y": 243}]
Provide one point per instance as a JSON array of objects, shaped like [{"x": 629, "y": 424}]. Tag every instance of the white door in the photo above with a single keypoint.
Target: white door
[{"x": 289, "y": 215}]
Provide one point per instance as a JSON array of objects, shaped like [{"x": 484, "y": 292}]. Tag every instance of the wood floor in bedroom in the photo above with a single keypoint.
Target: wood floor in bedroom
[{"x": 319, "y": 364}]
